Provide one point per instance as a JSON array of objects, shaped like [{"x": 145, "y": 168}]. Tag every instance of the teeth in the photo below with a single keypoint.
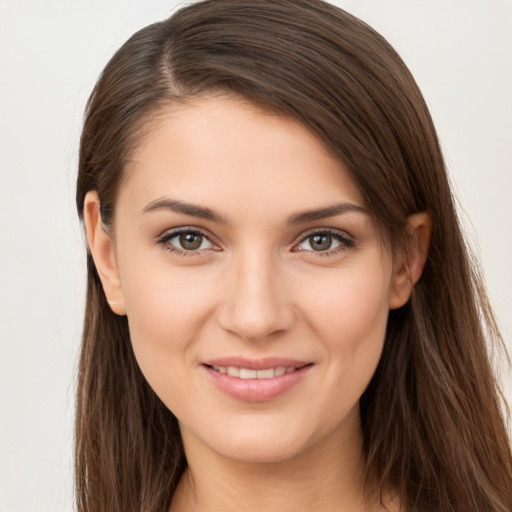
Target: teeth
[
  {"x": 247, "y": 373},
  {"x": 265, "y": 374},
  {"x": 234, "y": 372}
]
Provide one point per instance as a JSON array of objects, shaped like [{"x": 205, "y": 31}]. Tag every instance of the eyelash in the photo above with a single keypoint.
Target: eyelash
[
  {"x": 164, "y": 241},
  {"x": 345, "y": 242}
]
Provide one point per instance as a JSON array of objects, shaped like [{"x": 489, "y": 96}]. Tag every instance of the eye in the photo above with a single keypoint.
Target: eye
[
  {"x": 186, "y": 241},
  {"x": 325, "y": 241}
]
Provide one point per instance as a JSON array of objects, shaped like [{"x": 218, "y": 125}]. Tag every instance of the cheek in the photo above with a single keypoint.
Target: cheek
[
  {"x": 166, "y": 309},
  {"x": 349, "y": 315},
  {"x": 351, "y": 306}
]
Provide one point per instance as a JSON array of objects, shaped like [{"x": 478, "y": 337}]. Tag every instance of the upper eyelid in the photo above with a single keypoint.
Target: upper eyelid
[
  {"x": 332, "y": 231},
  {"x": 171, "y": 232}
]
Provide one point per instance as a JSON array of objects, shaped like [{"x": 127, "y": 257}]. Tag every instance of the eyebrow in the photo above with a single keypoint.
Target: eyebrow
[
  {"x": 186, "y": 208},
  {"x": 323, "y": 213},
  {"x": 206, "y": 213}
]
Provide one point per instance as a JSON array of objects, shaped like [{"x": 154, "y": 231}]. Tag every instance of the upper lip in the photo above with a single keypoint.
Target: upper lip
[{"x": 262, "y": 363}]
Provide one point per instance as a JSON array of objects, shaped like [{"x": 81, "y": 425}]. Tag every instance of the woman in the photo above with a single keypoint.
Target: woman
[{"x": 281, "y": 311}]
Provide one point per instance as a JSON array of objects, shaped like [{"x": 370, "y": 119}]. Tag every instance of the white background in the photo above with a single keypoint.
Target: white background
[{"x": 51, "y": 53}]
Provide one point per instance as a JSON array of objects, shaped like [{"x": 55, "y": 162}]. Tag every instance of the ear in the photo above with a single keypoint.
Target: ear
[
  {"x": 409, "y": 266},
  {"x": 102, "y": 250}
]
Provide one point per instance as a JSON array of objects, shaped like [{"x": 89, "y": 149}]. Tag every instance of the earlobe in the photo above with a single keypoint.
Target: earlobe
[
  {"x": 102, "y": 250},
  {"x": 410, "y": 266}
]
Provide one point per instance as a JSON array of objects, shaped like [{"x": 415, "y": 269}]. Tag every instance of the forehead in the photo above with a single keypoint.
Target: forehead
[{"x": 226, "y": 152}]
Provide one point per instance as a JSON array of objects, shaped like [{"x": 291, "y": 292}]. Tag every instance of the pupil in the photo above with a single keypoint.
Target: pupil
[
  {"x": 321, "y": 242},
  {"x": 190, "y": 241}
]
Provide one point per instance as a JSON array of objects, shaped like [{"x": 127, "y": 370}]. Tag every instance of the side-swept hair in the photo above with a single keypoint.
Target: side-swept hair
[{"x": 433, "y": 429}]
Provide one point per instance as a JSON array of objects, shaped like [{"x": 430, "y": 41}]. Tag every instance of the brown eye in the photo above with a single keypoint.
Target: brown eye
[
  {"x": 191, "y": 241},
  {"x": 324, "y": 242},
  {"x": 186, "y": 241},
  {"x": 320, "y": 242}
]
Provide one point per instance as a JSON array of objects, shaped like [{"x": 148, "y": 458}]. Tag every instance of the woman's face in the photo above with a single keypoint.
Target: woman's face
[{"x": 256, "y": 287}]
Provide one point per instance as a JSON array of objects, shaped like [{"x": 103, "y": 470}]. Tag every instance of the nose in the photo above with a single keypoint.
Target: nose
[{"x": 256, "y": 304}]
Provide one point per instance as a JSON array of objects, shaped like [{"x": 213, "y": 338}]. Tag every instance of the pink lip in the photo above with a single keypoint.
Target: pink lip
[{"x": 256, "y": 390}]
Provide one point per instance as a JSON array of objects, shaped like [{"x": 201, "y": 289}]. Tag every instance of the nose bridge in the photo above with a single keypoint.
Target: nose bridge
[{"x": 256, "y": 304}]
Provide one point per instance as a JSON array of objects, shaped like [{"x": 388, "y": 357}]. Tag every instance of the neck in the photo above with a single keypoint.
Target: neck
[{"x": 327, "y": 477}]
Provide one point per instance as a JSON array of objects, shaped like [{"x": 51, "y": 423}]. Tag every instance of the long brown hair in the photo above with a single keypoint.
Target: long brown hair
[{"x": 433, "y": 428}]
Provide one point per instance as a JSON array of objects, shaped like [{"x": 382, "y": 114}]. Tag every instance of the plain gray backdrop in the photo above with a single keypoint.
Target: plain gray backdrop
[{"x": 51, "y": 53}]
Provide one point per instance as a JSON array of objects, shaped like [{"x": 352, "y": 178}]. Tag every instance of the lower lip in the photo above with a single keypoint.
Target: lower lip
[{"x": 256, "y": 390}]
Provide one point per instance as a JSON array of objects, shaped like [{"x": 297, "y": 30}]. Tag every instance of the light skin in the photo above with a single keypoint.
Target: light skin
[{"x": 237, "y": 234}]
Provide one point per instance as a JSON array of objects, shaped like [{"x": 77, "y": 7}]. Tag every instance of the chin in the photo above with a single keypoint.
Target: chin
[
  {"x": 262, "y": 440},
  {"x": 263, "y": 450}
]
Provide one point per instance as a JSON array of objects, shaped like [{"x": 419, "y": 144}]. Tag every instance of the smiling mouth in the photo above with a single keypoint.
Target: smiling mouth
[
  {"x": 248, "y": 373},
  {"x": 256, "y": 380}
]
